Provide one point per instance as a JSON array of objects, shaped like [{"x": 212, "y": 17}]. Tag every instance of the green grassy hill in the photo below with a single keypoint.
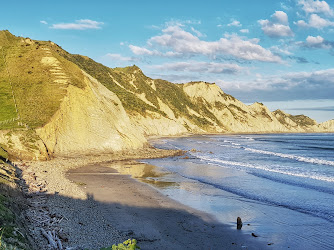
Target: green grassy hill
[
  {"x": 129, "y": 82},
  {"x": 35, "y": 77},
  {"x": 30, "y": 84}
]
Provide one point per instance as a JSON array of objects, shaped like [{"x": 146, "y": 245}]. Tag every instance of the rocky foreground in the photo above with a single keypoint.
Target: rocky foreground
[
  {"x": 96, "y": 206},
  {"x": 46, "y": 204}
]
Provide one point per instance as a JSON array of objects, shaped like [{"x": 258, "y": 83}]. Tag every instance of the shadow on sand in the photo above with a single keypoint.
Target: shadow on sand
[{"x": 99, "y": 221}]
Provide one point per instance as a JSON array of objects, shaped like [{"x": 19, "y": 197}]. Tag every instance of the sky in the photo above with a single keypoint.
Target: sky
[{"x": 280, "y": 53}]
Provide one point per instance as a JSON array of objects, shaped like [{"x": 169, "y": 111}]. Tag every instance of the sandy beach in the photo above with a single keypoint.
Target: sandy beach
[{"x": 87, "y": 203}]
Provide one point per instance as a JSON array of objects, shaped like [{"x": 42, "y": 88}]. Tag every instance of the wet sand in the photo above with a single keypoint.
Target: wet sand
[{"x": 141, "y": 212}]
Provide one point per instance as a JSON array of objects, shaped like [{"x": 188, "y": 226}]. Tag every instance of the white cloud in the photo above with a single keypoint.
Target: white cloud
[
  {"x": 198, "y": 33},
  {"x": 280, "y": 17},
  {"x": 182, "y": 43},
  {"x": 315, "y": 21},
  {"x": 280, "y": 50},
  {"x": 285, "y": 7},
  {"x": 143, "y": 51},
  {"x": 235, "y": 23},
  {"x": 291, "y": 86},
  {"x": 244, "y": 30},
  {"x": 82, "y": 24},
  {"x": 278, "y": 26},
  {"x": 316, "y": 42},
  {"x": 200, "y": 67},
  {"x": 43, "y": 22},
  {"x": 310, "y": 6},
  {"x": 182, "y": 23},
  {"x": 301, "y": 23},
  {"x": 118, "y": 57}
]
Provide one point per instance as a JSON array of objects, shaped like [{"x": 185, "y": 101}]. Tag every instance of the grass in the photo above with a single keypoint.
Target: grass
[
  {"x": 38, "y": 96},
  {"x": 130, "y": 101},
  {"x": 133, "y": 81},
  {"x": 9, "y": 220},
  {"x": 178, "y": 101},
  {"x": 302, "y": 120},
  {"x": 7, "y": 106}
]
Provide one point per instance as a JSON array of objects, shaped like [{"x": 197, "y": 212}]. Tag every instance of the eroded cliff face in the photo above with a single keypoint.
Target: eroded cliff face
[
  {"x": 220, "y": 113},
  {"x": 235, "y": 116},
  {"x": 327, "y": 126},
  {"x": 93, "y": 119},
  {"x": 69, "y": 104},
  {"x": 90, "y": 120}
]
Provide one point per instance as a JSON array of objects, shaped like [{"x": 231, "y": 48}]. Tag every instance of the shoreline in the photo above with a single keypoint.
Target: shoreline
[
  {"x": 157, "y": 137},
  {"x": 50, "y": 196},
  {"x": 153, "y": 219},
  {"x": 83, "y": 216}
]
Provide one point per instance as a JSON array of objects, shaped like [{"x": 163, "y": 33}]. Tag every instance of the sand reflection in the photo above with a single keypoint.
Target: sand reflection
[{"x": 147, "y": 173}]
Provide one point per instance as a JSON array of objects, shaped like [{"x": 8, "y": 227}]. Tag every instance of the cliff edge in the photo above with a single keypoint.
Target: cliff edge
[{"x": 56, "y": 103}]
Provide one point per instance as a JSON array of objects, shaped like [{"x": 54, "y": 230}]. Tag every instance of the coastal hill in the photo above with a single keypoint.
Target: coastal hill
[{"x": 56, "y": 103}]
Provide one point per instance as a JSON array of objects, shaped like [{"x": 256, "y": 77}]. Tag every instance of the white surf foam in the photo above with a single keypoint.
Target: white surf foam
[
  {"x": 293, "y": 157},
  {"x": 269, "y": 169},
  {"x": 288, "y": 156}
]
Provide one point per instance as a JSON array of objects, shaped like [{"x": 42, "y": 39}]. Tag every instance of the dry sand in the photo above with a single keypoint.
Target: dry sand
[{"x": 96, "y": 206}]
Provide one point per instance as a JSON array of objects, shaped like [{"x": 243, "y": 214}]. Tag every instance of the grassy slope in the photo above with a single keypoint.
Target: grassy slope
[
  {"x": 169, "y": 93},
  {"x": 37, "y": 96},
  {"x": 131, "y": 103},
  {"x": 301, "y": 120}
]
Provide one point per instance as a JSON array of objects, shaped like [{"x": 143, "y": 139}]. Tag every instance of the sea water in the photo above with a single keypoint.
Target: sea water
[{"x": 281, "y": 185}]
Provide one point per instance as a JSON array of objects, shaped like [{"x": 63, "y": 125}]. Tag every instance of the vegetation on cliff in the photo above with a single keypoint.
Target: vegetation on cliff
[
  {"x": 37, "y": 77},
  {"x": 12, "y": 232}
]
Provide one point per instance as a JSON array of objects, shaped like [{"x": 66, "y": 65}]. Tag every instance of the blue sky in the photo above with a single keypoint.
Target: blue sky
[{"x": 280, "y": 53}]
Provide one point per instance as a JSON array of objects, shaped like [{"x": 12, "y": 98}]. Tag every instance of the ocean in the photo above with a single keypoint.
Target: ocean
[{"x": 281, "y": 185}]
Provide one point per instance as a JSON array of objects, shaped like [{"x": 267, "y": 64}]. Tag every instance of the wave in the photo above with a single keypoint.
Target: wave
[
  {"x": 293, "y": 157},
  {"x": 294, "y": 183},
  {"x": 257, "y": 198},
  {"x": 287, "y": 156},
  {"x": 321, "y": 148},
  {"x": 266, "y": 168}
]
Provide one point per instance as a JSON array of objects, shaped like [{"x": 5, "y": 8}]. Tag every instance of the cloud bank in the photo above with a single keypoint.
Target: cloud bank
[
  {"x": 200, "y": 67},
  {"x": 83, "y": 24},
  {"x": 179, "y": 42},
  {"x": 290, "y": 86}
]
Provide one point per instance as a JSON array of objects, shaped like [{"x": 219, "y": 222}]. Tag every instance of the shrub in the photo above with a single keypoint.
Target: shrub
[{"x": 130, "y": 244}]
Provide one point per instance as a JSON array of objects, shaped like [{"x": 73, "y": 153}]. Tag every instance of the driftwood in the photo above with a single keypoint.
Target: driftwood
[
  {"x": 239, "y": 223},
  {"x": 37, "y": 210},
  {"x": 50, "y": 239},
  {"x": 53, "y": 240}
]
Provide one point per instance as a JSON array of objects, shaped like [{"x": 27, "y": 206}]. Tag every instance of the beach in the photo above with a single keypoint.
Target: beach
[
  {"x": 281, "y": 185},
  {"x": 89, "y": 204}
]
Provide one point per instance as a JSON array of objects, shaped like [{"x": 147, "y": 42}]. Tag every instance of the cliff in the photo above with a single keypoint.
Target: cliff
[{"x": 56, "y": 103}]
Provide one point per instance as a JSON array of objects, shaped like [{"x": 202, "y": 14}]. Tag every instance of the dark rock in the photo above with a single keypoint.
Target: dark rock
[
  {"x": 63, "y": 236},
  {"x": 239, "y": 223},
  {"x": 254, "y": 235}
]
